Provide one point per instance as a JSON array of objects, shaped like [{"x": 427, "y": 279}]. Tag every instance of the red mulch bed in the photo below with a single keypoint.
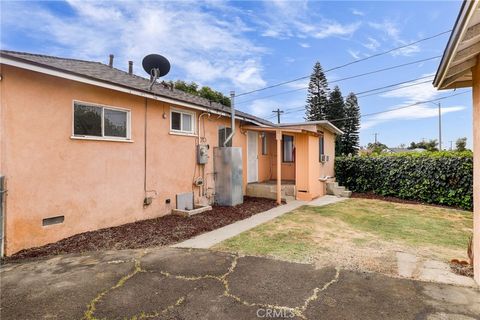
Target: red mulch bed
[
  {"x": 369, "y": 195},
  {"x": 160, "y": 231}
]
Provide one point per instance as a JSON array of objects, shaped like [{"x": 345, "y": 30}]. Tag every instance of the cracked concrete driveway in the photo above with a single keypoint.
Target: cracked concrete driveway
[{"x": 169, "y": 283}]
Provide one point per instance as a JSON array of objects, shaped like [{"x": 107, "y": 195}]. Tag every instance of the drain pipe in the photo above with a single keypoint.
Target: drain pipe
[{"x": 232, "y": 115}]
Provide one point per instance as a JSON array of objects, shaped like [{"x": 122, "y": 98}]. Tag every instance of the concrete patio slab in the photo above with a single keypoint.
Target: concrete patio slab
[
  {"x": 411, "y": 266},
  {"x": 172, "y": 283}
]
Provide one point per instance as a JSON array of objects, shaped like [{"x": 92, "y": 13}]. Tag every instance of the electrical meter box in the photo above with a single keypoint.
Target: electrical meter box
[{"x": 202, "y": 153}]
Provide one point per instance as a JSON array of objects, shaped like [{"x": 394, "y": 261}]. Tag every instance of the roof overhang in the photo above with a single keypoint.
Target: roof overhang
[
  {"x": 322, "y": 123},
  {"x": 35, "y": 67},
  {"x": 280, "y": 129},
  {"x": 463, "y": 48}
]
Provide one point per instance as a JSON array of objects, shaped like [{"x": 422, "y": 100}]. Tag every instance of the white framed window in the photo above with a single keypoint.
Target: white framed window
[
  {"x": 182, "y": 121},
  {"x": 97, "y": 121}
]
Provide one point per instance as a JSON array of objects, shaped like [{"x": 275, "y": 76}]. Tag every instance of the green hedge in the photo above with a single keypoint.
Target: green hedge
[{"x": 444, "y": 178}]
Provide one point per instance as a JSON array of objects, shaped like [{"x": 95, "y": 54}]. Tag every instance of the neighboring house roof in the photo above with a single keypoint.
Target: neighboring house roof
[
  {"x": 400, "y": 150},
  {"x": 455, "y": 69},
  {"x": 99, "y": 72}
]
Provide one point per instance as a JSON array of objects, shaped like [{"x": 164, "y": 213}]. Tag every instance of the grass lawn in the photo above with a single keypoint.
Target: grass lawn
[{"x": 358, "y": 232}]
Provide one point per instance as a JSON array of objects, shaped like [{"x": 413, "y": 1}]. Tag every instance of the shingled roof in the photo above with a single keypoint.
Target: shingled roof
[{"x": 101, "y": 72}]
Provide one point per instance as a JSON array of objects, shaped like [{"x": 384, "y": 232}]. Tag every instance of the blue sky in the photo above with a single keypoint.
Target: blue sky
[{"x": 246, "y": 45}]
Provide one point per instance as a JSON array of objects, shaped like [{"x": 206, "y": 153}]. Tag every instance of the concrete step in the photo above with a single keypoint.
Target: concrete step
[
  {"x": 346, "y": 194},
  {"x": 334, "y": 189},
  {"x": 269, "y": 191}
]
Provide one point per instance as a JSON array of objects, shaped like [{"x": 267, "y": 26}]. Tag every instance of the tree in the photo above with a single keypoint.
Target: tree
[
  {"x": 350, "y": 139},
  {"x": 430, "y": 145},
  {"x": 461, "y": 144},
  {"x": 204, "y": 92},
  {"x": 335, "y": 112},
  {"x": 317, "y": 97},
  {"x": 377, "y": 148}
]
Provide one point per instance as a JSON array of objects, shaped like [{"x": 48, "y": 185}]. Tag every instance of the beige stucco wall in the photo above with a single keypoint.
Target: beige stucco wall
[
  {"x": 94, "y": 184},
  {"x": 476, "y": 167}
]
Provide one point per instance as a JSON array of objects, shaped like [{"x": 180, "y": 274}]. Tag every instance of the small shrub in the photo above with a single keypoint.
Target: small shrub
[{"x": 443, "y": 177}]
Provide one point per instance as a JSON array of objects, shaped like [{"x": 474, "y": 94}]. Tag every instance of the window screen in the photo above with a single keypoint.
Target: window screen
[
  {"x": 115, "y": 123},
  {"x": 187, "y": 122},
  {"x": 288, "y": 155}
]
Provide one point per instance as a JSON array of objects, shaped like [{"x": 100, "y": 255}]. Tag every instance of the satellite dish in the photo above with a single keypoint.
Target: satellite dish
[{"x": 156, "y": 65}]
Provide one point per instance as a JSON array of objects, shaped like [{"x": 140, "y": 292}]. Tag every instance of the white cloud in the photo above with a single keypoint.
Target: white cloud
[
  {"x": 304, "y": 45},
  {"x": 357, "y": 12},
  {"x": 355, "y": 54},
  {"x": 206, "y": 47},
  {"x": 410, "y": 96},
  {"x": 391, "y": 35},
  {"x": 420, "y": 111},
  {"x": 283, "y": 20},
  {"x": 371, "y": 44}
]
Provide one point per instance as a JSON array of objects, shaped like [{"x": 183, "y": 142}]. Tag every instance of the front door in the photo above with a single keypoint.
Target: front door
[{"x": 252, "y": 156}]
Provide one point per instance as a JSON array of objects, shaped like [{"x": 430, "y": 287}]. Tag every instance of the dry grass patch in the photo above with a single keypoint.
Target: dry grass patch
[{"x": 359, "y": 234}]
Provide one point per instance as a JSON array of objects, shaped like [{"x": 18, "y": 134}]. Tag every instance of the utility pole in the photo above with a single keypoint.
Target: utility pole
[
  {"x": 278, "y": 112},
  {"x": 376, "y": 134},
  {"x": 439, "y": 105},
  {"x": 439, "y": 126},
  {"x": 451, "y": 145}
]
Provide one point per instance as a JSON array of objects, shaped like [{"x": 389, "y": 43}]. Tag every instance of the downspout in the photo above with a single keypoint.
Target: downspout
[{"x": 232, "y": 115}]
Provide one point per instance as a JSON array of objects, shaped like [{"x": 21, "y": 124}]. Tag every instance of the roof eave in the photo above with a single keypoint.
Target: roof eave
[{"x": 466, "y": 11}]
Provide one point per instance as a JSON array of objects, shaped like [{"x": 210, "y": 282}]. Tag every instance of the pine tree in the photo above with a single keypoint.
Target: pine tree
[
  {"x": 350, "y": 137},
  {"x": 317, "y": 97},
  {"x": 335, "y": 112}
]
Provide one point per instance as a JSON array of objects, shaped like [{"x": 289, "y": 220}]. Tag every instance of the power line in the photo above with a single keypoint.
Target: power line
[
  {"x": 403, "y": 107},
  {"x": 395, "y": 89},
  {"x": 346, "y": 78},
  {"x": 288, "y": 109},
  {"x": 389, "y": 110},
  {"x": 349, "y": 63}
]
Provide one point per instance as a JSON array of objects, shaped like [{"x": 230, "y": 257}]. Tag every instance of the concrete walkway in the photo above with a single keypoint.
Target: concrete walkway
[
  {"x": 209, "y": 239},
  {"x": 173, "y": 284}
]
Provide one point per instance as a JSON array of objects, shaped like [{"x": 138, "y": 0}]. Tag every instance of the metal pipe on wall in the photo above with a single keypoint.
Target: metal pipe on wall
[{"x": 232, "y": 117}]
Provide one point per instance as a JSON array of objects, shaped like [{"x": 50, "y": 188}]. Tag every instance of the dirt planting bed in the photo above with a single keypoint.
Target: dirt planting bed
[{"x": 160, "y": 231}]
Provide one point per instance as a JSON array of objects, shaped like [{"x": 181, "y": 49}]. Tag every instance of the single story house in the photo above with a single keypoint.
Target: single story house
[
  {"x": 85, "y": 146},
  {"x": 460, "y": 68}
]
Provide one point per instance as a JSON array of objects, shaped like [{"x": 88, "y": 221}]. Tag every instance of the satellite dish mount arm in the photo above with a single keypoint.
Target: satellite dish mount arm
[{"x": 154, "y": 75}]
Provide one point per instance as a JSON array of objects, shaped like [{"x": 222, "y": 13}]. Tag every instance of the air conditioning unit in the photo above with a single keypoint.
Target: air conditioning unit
[{"x": 324, "y": 158}]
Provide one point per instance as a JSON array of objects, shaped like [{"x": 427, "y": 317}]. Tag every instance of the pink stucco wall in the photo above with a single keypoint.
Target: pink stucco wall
[
  {"x": 94, "y": 184},
  {"x": 97, "y": 184}
]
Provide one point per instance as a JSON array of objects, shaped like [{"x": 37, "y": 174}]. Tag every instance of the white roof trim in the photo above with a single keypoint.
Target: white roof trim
[
  {"x": 319, "y": 122},
  {"x": 66, "y": 75}
]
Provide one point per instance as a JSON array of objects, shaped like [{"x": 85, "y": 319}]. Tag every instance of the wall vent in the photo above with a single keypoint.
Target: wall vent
[{"x": 53, "y": 220}]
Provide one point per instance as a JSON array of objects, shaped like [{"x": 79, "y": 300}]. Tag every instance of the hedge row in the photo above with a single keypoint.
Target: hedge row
[{"x": 437, "y": 178}]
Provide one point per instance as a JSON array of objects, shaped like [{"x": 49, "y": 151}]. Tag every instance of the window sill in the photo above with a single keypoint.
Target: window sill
[
  {"x": 186, "y": 134},
  {"x": 100, "y": 139}
]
